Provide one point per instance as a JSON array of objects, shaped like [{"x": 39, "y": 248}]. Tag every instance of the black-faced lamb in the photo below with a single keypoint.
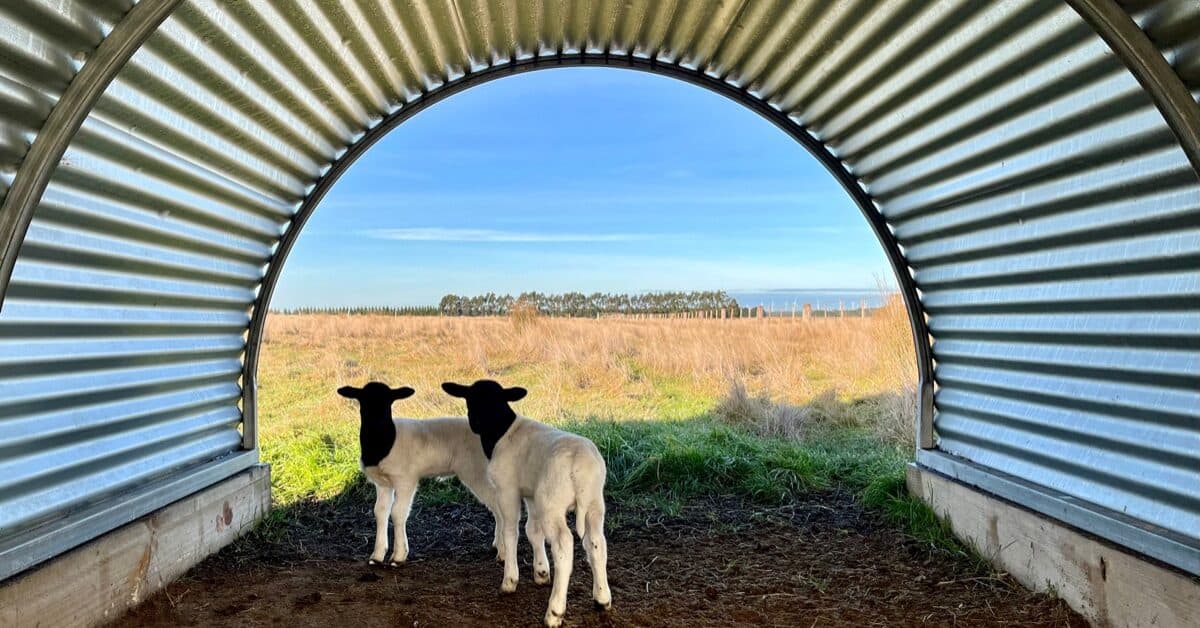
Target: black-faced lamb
[
  {"x": 396, "y": 453},
  {"x": 554, "y": 472}
]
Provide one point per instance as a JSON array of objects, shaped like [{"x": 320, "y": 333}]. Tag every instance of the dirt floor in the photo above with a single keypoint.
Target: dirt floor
[{"x": 824, "y": 562}]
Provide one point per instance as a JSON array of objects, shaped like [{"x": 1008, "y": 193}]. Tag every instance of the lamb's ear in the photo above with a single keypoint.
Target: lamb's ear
[
  {"x": 350, "y": 392},
  {"x": 516, "y": 393},
  {"x": 455, "y": 390},
  {"x": 403, "y": 392}
]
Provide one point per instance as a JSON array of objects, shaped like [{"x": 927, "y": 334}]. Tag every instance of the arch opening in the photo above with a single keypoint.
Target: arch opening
[{"x": 902, "y": 273}]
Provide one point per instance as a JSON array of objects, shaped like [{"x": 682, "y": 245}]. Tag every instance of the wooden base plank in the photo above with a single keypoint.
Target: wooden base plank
[
  {"x": 97, "y": 582},
  {"x": 1108, "y": 585}
]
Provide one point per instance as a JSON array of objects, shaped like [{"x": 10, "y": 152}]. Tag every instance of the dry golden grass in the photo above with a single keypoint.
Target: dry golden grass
[
  {"x": 777, "y": 376},
  {"x": 789, "y": 389}
]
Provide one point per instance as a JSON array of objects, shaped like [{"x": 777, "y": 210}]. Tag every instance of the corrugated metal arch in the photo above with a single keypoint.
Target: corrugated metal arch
[
  {"x": 1015, "y": 170},
  {"x": 68, "y": 114}
]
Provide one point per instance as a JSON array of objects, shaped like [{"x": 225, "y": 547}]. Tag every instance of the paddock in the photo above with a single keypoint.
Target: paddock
[{"x": 1029, "y": 167}]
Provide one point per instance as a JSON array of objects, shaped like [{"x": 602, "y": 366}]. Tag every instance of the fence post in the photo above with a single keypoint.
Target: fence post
[
  {"x": 841, "y": 308},
  {"x": 759, "y": 313},
  {"x": 806, "y": 312}
]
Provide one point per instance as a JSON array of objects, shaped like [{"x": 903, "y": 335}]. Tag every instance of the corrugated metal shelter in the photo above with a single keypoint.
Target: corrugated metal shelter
[{"x": 1029, "y": 166}]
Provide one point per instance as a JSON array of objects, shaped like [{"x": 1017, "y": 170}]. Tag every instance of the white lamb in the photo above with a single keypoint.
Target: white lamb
[
  {"x": 554, "y": 472},
  {"x": 397, "y": 453}
]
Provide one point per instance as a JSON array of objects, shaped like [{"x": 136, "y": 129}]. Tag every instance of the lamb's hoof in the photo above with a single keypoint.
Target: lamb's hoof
[
  {"x": 553, "y": 620},
  {"x": 541, "y": 577},
  {"x": 396, "y": 563},
  {"x": 374, "y": 562},
  {"x": 508, "y": 586},
  {"x": 600, "y": 607}
]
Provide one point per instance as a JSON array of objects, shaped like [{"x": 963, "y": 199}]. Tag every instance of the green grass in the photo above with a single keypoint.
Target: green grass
[
  {"x": 654, "y": 464},
  {"x": 312, "y": 464},
  {"x": 888, "y": 495}
]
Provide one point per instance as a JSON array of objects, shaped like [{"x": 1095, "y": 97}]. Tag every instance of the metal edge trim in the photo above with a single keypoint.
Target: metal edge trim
[
  {"x": 900, "y": 268},
  {"x": 41, "y": 543},
  {"x": 1160, "y": 544},
  {"x": 1148, "y": 65},
  {"x": 76, "y": 103}
]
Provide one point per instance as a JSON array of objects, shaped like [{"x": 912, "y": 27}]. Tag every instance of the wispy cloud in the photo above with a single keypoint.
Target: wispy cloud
[
  {"x": 684, "y": 193},
  {"x": 440, "y": 234}
]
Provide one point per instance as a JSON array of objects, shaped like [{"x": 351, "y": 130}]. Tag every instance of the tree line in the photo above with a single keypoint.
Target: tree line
[
  {"x": 579, "y": 304},
  {"x": 575, "y": 304}
]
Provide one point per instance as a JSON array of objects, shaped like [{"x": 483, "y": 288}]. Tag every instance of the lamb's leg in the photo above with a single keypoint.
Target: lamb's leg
[
  {"x": 537, "y": 540},
  {"x": 596, "y": 548},
  {"x": 383, "y": 503},
  {"x": 481, "y": 488},
  {"x": 510, "y": 518},
  {"x": 400, "y": 508},
  {"x": 563, "y": 547},
  {"x": 497, "y": 535}
]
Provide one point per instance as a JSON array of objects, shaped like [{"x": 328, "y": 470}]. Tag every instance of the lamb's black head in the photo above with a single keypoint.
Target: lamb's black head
[
  {"x": 376, "y": 433},
  {"x": 375, "y": 399},
  {"x": 487, "y": 408}
]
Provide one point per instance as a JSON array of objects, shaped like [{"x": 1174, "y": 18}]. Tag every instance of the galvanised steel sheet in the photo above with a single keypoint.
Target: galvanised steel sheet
[
  {"x": 1174, "y": 27},
  {"x": 1029, "y": 168}
]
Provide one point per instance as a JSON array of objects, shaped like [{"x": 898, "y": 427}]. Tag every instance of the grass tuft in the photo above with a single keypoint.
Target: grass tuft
[{"x": 888, "y": 494}]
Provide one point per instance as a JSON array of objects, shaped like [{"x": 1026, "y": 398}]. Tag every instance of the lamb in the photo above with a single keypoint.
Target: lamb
[
  {"x": 397, "y": 453},
  {"x": 555, "y": 472}
]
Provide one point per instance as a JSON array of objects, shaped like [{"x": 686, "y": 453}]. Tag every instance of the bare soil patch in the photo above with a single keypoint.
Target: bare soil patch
[{"x": 720, "y": 562}]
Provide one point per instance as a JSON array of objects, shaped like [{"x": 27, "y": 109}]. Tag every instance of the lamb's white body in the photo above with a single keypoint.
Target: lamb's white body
[
  {"x": 554, "y": 472},
  {"x": 425, "y": 448}
]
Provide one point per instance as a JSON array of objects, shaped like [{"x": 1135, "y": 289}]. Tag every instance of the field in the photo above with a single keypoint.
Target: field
[
  {"x": 755, "y": 477},
  {"x": 686, "y": 378}
]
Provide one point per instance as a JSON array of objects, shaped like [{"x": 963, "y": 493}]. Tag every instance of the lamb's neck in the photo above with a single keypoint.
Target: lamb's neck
[
  {"x": 376, "y": 435},
  {"x": 497, "y": 425}
]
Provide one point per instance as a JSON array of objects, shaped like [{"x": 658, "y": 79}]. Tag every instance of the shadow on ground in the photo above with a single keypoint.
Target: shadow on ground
[{"x": 819, "y": 558}]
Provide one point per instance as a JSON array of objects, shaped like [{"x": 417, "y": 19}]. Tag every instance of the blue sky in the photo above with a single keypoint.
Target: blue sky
[{"x": 588, "y": 179}]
